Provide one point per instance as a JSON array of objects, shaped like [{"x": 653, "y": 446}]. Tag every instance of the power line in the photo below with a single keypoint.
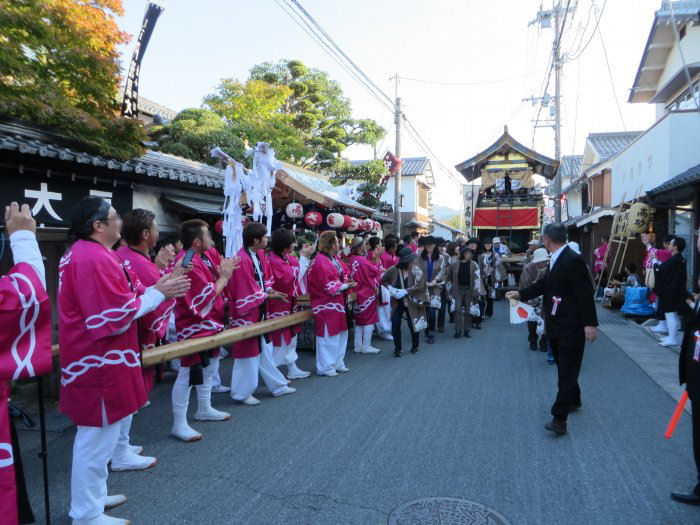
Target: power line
[
  {"x": 328, "y": 50},
  {"x": 612, "y": 84},
  {"x": 375, "y": 90},
  {"x": 423, "y": 81},
  {"x": 355, "y": 66},
  {"x": 578, "y": 53}
]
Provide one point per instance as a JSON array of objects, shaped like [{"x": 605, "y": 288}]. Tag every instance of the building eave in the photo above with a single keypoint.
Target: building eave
[{"x": 544, "y": 165}]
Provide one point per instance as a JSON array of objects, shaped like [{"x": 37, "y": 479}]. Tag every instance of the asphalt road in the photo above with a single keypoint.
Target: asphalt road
[{"x": 463, "y": 418}]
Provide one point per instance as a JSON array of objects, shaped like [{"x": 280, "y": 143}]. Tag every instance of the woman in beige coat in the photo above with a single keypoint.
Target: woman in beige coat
[
  {"x": 463, "y": 275},
  {"x": 434, "y": 267},
  {"x": 406, "y": 284}
]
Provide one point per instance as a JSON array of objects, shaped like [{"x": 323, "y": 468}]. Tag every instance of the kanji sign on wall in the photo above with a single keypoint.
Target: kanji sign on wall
[{"x": 52, "y": 199}]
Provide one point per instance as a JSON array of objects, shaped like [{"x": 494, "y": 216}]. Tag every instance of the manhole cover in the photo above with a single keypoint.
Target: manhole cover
[{"x": 445, "y": 511}]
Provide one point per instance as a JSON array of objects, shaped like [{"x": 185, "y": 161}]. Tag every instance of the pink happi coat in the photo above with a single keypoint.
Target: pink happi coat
[
  {"x": 388, "y": 259},
  {"x": 245, "y": 297},
  {"x": 152, "y": 326},
  {"x": 327, "y": 299},
  {"x": 99, "y": 348},
  {"x": 599, "y": 262},
  {"x": 25, "y": 351},
  {"x": 367, "y": 276},
  {"x": 285, "y": 272},
  {"x": 200, "y": 312}
]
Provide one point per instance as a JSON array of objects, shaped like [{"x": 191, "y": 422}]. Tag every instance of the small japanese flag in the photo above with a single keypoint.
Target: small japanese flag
[{"x": 521, "y": 312}]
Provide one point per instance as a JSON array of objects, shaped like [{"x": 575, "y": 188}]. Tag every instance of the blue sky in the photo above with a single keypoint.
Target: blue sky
[{"x": 196, "y": 43}]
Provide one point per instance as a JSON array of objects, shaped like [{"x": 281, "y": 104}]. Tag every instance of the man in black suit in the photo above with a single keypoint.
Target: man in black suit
[
  {"x": 689, "y": 373},
  {"x": 569, "y": 318}
]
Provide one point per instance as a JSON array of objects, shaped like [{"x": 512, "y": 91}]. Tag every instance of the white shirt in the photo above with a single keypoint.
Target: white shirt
[
  {"x": 26, "y": 249},
  {"x": 555, "y": 255}
]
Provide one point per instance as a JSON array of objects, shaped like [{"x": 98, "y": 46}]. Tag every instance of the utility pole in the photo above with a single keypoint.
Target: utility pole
[
  {"x": 398, "y": 116},
  {"x": 544, "y": 18},
  {"x": 556, "y": 57}
]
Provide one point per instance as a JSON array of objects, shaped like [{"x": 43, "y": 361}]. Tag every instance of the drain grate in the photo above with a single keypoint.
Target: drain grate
[{"x": 445, "y": 511}]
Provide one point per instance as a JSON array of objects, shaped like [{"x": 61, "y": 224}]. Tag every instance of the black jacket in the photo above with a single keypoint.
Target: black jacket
[
  {"x": 688, "y": 368},
  {"x": 570, "y": 281},
  {"x": 670, "y": 284}
]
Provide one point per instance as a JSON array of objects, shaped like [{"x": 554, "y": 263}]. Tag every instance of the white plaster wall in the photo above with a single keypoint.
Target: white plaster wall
[
  {"x": 691, "y": 52},
  {"x": 408, "y": 189},
  {"x": 667, "y": 149},
  {"x": 574, "y": 199},
  {"x": 149, "y": 198}
]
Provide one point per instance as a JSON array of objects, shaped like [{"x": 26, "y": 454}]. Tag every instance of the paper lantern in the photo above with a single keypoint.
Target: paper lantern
[
  {"x": 640, "y": 215},
  {"x": 313, "y": 219},
  {"x": 369, "y": 223},
  {"x": 335, "y": 220},
  {"x": 295, "y": 210},
  {"x": 347, "y": 221},
  {"x": 376, "y": 226},
  {"x": 620, "y": 227},
  {"x": 219, "y": 227},
  {"x": 354, "y": 224}
]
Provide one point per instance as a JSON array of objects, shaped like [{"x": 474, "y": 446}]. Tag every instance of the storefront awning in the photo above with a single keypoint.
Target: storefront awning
[
  {"x": 317, "y": 189},
  {"x": 194, "y": 206},
  {"x": 595, "y": 215},
  {"x": 504, "y": 218}
]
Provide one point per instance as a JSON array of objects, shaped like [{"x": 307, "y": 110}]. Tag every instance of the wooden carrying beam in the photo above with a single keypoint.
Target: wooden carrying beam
[
  {"x": 160, "y": 354},
  {"x": 164, "y": 353}
]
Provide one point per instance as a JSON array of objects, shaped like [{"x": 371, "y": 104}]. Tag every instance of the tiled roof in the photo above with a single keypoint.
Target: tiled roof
[
  {"x": 410, "y": 166},
  {"x": 682, "y": 8},
  {"x": 690, "y": 176},
  {"x": 153, "y": 164},
  {"x": 609, "y": 144},
  {"x": 153, "y": 108},
  {"x": 571, "y": 166},
  {"x": 445, "y": 225}
]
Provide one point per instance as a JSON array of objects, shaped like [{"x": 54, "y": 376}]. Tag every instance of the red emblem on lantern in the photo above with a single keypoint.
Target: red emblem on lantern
[
  {"x": 295, "y": 210},
  {"x": 313, "y": 219},
  {"x": 347, "y": 222}
]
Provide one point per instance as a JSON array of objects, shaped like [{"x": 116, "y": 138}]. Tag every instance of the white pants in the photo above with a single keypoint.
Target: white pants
[
  {"x": 92, "y": 449},
  {"x": 244, "y": 377},
  {"x": 384, "y": 312},
  {"x": 216, "y": 378},
  {"x": 330, "y": 352},
  {"x": 673, "y": 323},
  {"x": 123, "y": 441},
  {"x": 182, "y": 388},
  {"x": 285, "y": 354}
]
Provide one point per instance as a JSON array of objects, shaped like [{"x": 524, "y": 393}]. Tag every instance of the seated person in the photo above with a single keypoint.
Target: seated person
[{"x": 632, "y": 278}]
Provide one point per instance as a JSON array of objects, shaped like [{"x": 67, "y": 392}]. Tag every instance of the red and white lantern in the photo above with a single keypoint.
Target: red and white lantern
[
  {"x": 295, "y": 210},
  {"x": 313, "y": 219},
  {"x": 347, "y": 222},
  {"x": 335, "y": 220},
  {"x": 354, "y": 224},
  {"x": 376, "y": 226}
]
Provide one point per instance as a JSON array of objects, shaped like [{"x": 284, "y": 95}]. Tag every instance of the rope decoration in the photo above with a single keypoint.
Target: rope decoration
[
  {"x": 193, "y": 329},
  {"x": 74, "y": 370},
  {"x": 111, "y": 315},
  {"x": 25, "y": 342},
  {"x": 329, "y": 306}
]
